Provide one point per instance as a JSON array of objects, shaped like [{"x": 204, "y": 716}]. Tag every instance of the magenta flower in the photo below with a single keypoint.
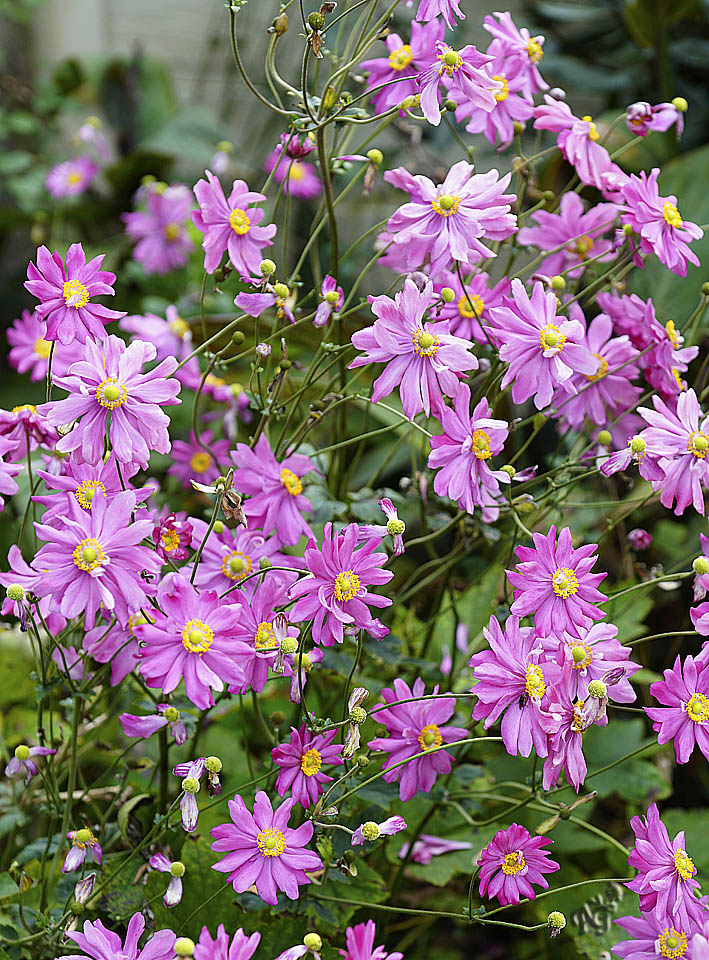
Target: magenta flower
[
  {"x": 638, "y": 538},
  {"x": 427, "y": 847},
  {"x": 451, "y": 221},
  {"x": 95, "y": 560},
  {"x": 190, "y": 460},
  {"x": 25, "y": 576},
  {"x": 333, "y": 297},
  {"x": 173, "y": 894},
  {"x": 578, "y": 233},
  {"x": 463, "y": 449},
  {"x": 71, "y": 178},
  {"x": 460, "y": 70},
  {"x": 422, "y": 358},
  {"x": 577, "y": 139},
  {"x": 402, "y": 64},
  {"x": 653, "y": 936},
  {"x": 656, "y": 219},
  {"x": 468, "y": 312},
  {"x": 511, "y": 103},
  {"x": 65, "y": 294},
  {"x": 360, "y": 944},
  {"x": 8, "y": 472},
  {"x": 636, "y": 451},
  {"x": 145, "y": 727},
  {"x": 83, "y": 844},
  {"x": 448, "y": 9},
  {"x": 98, "y": 943},
  {"x": 256, "y": 633},
  {"x": 665, "y": 882},
  {"x": 513, "y": 861},
  {"x": 172, "y": 538},
  {"x": 232, "y": 555},
  {"x": 684, "y": 716},
  {"x": 298, "y": 668},
  {"x": 162, "y": 241},
  {"x": 335, "y": 594},
  {"x": 22, "y": 764},
  {"x": 272, "y": 296},
  {"x": 29, "y": 351},
  {"x": 262, "y": 849},
  {"x": 300, "y": 762},
  {"x": 274, "y": 490},
  {"x": 109, "y": 381},
  {"x": 641, "y": 118},
  {"x": 394, "y": 527},
  {"x": 554, "y": 582},
  {"x": 192, "y": 638},
  {"x": 242, "y": 947},
  {"x": 231, "y": 226},
  {"x": 171, "y": 337},
  {"x": 511, "y": 680},
  {"x": 298, "y": 178},
  {"x": 371, "y": 831},
  {"x": 116, "y": 645},
  {"x": 414, "y": 728},
  {"x": 25, "y": 426},
  {"x": 86, "y": 482},
  {"x": 592, "y": 657},
  {"x": 516, "y": 43},
  {"x": 543, "y": 350},
  {"x": 573, "y": 717}
]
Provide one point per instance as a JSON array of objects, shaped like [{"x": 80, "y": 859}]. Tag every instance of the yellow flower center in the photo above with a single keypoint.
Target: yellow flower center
[
  {"x": 110, "y": 393},
  {"x": 564, "y": 582},
  {"x": 296, "y": 171},
  {"x": 581, "y": 655},
  {"x": 197, "y": 636},
  {"x": 239, "y": 221},
  {"x": 534, "y": 50},
  {"x": 73, "y": 178},
  {"x": 501, "y": 95},
  {"x": 236, "y": 565},
  {"x": 513, "y": 863},
  {"x": 25, "y": 406},
  {"x": 271, "y": 842},
  {"x": 446, "y": 205},
  {"x": 310, "y": 762},
  {"x": 481, "y": 445},
  {"x": 698, "y": 443},
  {"x": 684, "y": 865},
  {"x": 601, "y": 369},
  {"x": 86, "y": 491},
  {"x": 179, "y": 327},
  {"x": 551, "y": 339},
  {"x": 401, "y": 57},
  {"x": 291, "y": 481},
  {"x": 264, "y": 636},
  {"x": 451, "y": 61},
  {"x": 170, "y": 540},
  {"x": 425, "y": 344},
  {"x": 200, "y": 461},
  {"x": 430, "y": 737},
  {"x": 42, "y": 348},
  {"x": 213, "y": 381},
  {"x": 672, "y": 943},
  {"x": 83, "y": 838},
  {"x": 582, "y": 247},
  {"x": 347, "y": 586},
  {"x": 675, "y": 339},
  {"x": 471, "y": 305},
  {"x": 671, "y": 215},
  {"x": 171, "y": 232},
  {"x": 136, "y": 620},
  {"x": 75, "y": 294},
  {"x": 534, "y": 682},
  {"x": 698, "y": 708},
  {"x": 577, "y": 723},
  {"x": 593, "y": 134},
  {"x": 88, "y": 554}
]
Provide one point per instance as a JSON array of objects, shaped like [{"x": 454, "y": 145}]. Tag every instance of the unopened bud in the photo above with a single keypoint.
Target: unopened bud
[
  {"x": 280, "y": 24},
  {"x": 265, "y": 564},
  {"x": 277, "y": 718},
  {"x": 518, "y": 127},
  {"x": 558, "y": 283},
  {"x": 362, "y": 760},
  {"x": 705, "y": 289},
  {"x": 316, "y": 20},
  {"x": 549, "y": 195},
  {"x": 450, "y": 105},
  {"x": 679, "y": 103},
  {"x": 267, "y": 267},
  {"x": 313, "y": 941},
  {"x": 604, "y": 438},
  {"x": 184, "y": 947},
  {"x": 77, "y": 908},
  {"x": 447, "y": 294},
  {"x": 218, "y": 526},
  {"x": 238, "y": 337},
  {"x": 375, "y": 156}
]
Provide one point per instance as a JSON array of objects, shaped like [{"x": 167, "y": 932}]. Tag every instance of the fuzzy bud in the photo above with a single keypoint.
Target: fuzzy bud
[
  {"x": 375, "y": 156},
  {"x": 316, "y": 20},
  {"x": 556, "y": 922},
  {"x": 177, "y": 869},
  {"x": 447, "y": 294},
  {"x": 213, "y": 764},
  {"x": 15, "y": 592},
  {"x": 184, "y": 947},
  {"x": 77, "y": 908},
  {"x": 190, "y": 785},
  {"x": 267, "y": 267},
  {"x": 701, "y": 566},
  {"x": 395, "y": 527},
  {"x": 370, "y": 830},
  {"x": 597, "y": 689},
  {"x": 238, "y": 337},
  {"x": 357, "y": 715},
  {"x": 637, "y": 445},
  {"x": 362, "y": 760},
  {"x": 313, "y": 941}
]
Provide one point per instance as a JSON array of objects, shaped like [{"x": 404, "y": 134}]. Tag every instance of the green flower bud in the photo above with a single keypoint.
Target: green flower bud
[
  {"x": 556, "y": 920},
  {"x": 370, "y": 830},
  {"x": 15, "y": 592},
  {"x": 277, "y": 718},
  {"x": 375, "y": 156},
  {"x": 679, "y": 103},
  {"x": 267, "y": 267},
  {"x": 184, "y": 947},
  {"x": 604, "y": 438},
  {"x": 362, "y": 760},
  {"x": 447, "y": 294},
  {"x": 700, "y": 567},
  {"x": 316, "y": 20},
  {"x": 705, "y": 289},
  {"x": 313, "y": 941},
  {"x": 218, "y": 526},
  {"x": 213, "y": 764},
  {"x": 238, "y": 337},
  {"x": 450, "y": 105},
  {"x": 77, "y": 908},
  {"x": 548, "y": 195},
  {"x": 518, "y": 128},
  {"x": 177, "y": 869},
  {"x": 558, "y": 283}
]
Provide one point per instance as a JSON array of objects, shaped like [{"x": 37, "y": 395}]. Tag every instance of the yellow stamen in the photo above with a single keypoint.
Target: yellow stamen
[
  {"x": 513, "y": 863},
  {"x": 430, "y": 737},
  {"x": 347, "y": 586},
  {"x": 564, "y": 582},
  {"x": 200, "y": 461},
  {"x": 291, "y": 481},
  {"x": 425, "y": 344},
  {"x": 271, "y": 842},
  {"x": 197, "y": 636},
  {"x": 671, "y": 215},
  {"x": 401, "y": 57},
  {"x": 88, "y": 555},
  {"x": 239, "y": 221},
  {"x": 75, "y": 294},
  {"x": 310, "y": 762},
  {"x": 110, "y": 393}
]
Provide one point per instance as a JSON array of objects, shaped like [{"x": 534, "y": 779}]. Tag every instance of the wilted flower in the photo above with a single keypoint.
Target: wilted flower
[
  {"x": 176, "y": 869},
  {"x": 23, "y": 764},
  {"x": 191, "y": 773},
  {"x": 146, "y": 726},
  {"x": 371, "y": 831}
]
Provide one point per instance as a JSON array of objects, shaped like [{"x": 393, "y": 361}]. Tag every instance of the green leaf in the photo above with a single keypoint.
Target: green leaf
[{"x": 694, "y": 824}]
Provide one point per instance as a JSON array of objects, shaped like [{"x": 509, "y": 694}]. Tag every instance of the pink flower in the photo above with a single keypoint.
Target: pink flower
[
  {"x": 658, "y": 222},
  {"x": 394, "y": 527},
  {"x": 451, "y": 221},
  {"x": 26, "y": 577},
  {"x": 461, "y": 71},
  {"x": 83, "y": 844},
  {"x": 468, "y": 313},
  {"x": 414, "y": 728},
  {"x": 511, "y": 104},
  {"x": 422, "y": 358},
  {"x": 71, "y": 178},
  {"x": 262, "y": 849},
  {"x": 402, "y": 64},
  {"x": 334, "y": 595},
  {"x": 512, "y": 862},
  {"x": 298, "y": 178},
  {"x": 464, "y": 448},
  {"x": 29, "y": 351},
  {"x": 25, "y": 427},
  {"x": 577, "y": 139},
  {"x": 232, "y": 555},
  {"x": 543, "y": 350},
  {"x": 145, "y": 727},
  {"x": 171, "y": 337},
  {"x": 641, "y": 118},
  {"x": 98, "y": 943},
  {"x": 271, "y": 296},
  {"x": 22, "y": 764},
  {"x": 8, "y": 472},
  {"x": 333, "y": 297},
  {"x": 172, "y": 538},
  {"x": 684, "y": 716},
  {"x": 665, "y": 882},
  {"x": 191, "y": 638},
  {"x": 653, "y": 936},
  {"x": 592, "y": 657},
  {"x": 95, "y": 560},
  {"x": 160, "y": 231},
  {"x": 108, "y": 380},
  {"x": 65, "y": 294},
  {"x": 514, "y": 43},
  {"x": 116, "y": 645},
  {"x": 554, "y": 582},
  {"x": 190, "y": 461},
  {"x": 300, "y": 762},
  {"x": 85, "y": 483},
  {"x": 173, "y": 894},
  {"x": 242, "y": 947},
  {"x": 274, "y": 489},
  {"x": 192, "y": 772},
  {"x": 231, "y": 225},
  {"x": 427, "y": 847},
  {"x": 511, "y": 680},
  {"x": 428, "y": 9},
  {"x": 577, "y": 232},
  {"x": 360, "y": 944}
]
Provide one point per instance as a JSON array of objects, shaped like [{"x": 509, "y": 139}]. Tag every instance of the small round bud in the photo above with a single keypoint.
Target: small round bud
[
  {"x": 218, "y": 526},
  {"x": 450, "y": 105},
  {"x": 700, "y": 567},
  {"x": 375, "y": 156},
  {"x": 525, "y": 506},
  {"x": 277, "y": 718},
  {"x": 77, "y": 908},
  {"x": 289, "y": 645},
  {"x": 627, "y": 229},
  {"x": 556, "y": 920},
  {"x": 190, "y": 785},
  {"x": 357, "y": 715},
  {"x": 313, "y": 941},
  {"x": 177, "y": 869},
  {"x": 281, "y": 290},
  {"x": 362, "y": 760},
  {"x": 395, "y": 527},
  {"x": 285, "y": 364},
  {"x": 597, "y": 689},
  {"x": 509, "y": 470},
  {"x": 407, "y": 103},
  {"x": 518, "y": 127},
  {"x": 280, "y": 24},
  {"x": 564, "y": 813},
  {"x": 172, "y": 714},
  {"x": 22, "y": 752},
  {"x": 238, "y": 337},
  {"x": 265, "y": 564},
  {"x": 213, "y": 764},
  {"x": 558, "y": 283},
  {"x": 83, "y": 835},
  {"x": 15, "y": 592},
  {"x": 316, "y": 20},
  {"x": 267, "y": 267},
  {"x": 549, "y": 195},
  {"x": 679, "y": 103},
  {"x": 604, "y": 438},
  {"x": 348, "y": 856},
  {"x": 370, "y": 830},
  {"x": 184, "y": 947},
  {"x": 447, "y": 294}
]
